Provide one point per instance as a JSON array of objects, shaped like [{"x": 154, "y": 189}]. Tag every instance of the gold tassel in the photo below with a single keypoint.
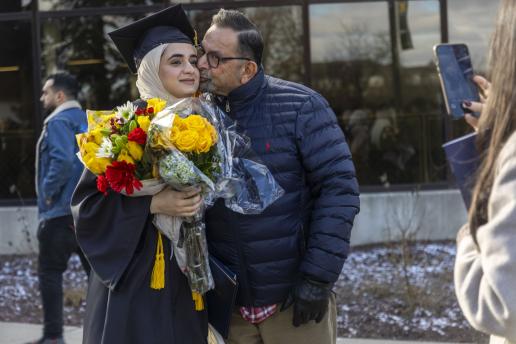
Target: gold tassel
[
  {"x": 158, "y": 271},
  {"x": 199, "y": 303}
]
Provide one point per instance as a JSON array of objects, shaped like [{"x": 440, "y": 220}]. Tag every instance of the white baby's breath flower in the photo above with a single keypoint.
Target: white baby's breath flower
[
  {"x": 105, "y": 150},
  {"x": 125, "y": 112}
]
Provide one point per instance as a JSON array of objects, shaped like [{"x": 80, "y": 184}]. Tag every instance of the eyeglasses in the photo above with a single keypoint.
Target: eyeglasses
[{"x": 214, "y": 60}]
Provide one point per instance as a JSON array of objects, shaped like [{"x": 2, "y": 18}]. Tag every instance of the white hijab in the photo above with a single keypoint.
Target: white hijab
[{"x": 148, "y": 83}]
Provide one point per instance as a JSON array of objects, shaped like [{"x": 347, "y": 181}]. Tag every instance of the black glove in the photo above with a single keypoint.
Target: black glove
[{"x": 310, "y": 299}]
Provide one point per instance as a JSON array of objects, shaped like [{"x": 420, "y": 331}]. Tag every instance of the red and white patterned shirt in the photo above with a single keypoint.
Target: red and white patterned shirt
[{"x": 256, "y": 315}]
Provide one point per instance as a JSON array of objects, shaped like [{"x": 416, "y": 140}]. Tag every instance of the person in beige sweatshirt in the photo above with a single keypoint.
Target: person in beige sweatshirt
[{"x": 485, "y": 267}]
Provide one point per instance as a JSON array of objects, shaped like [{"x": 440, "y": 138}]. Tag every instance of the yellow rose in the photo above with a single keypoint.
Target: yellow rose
[
  {"x": 135, "y": 150},
  {"x": 186, "y": 140},
  {"x": 143, "y": 122},
  {"x": 124, "y": 156},
  {"x": 195, "y": 122},
  {"x": 204, "y": 143},
  {"x": 180, "y": 123},
  {"x": 210, "y": 129},
  {"x": 174, "y": 132},
  {"x": 157, "y": 104}
]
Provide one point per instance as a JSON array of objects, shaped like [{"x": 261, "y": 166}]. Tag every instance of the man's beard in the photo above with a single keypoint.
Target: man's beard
[
  {"x": 49, "y": 109},
  {"x": 206, "y": 86}
]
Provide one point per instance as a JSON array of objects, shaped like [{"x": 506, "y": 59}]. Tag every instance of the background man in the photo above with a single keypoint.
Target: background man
[
  {"x": 293, "y": 252},
  {"x": 57, "y": 173}
]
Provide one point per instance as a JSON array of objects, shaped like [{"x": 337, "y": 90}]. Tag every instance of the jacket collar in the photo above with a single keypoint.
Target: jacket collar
[
  {"x": 69, "y": 104},
  {"x": 245, "y": 94}
]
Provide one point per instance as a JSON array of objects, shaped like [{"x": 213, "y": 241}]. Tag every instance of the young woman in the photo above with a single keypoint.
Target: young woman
[
  {"x": 485, "y": 269},
  {"x": 116, "y": 232}
]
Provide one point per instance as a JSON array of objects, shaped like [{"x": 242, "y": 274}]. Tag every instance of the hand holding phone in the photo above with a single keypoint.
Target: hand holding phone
[{"x": 456, "y": 74}]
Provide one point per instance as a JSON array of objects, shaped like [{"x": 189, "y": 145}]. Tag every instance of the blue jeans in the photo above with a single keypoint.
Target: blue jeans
[{"x": 56, "y": 244}]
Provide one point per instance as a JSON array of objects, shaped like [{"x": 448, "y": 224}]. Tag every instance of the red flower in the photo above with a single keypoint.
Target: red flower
[
  {"x": 102, "y": 184},
  {"x": 139, "y": 112},
  {"x": 137, "y": 135},
  {"x": 120, "y": 176},
  {"x": 150, "y": 110}
]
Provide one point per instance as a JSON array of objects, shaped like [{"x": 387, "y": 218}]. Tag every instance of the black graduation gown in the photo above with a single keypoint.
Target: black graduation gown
[{"x": 116, "y": 235}]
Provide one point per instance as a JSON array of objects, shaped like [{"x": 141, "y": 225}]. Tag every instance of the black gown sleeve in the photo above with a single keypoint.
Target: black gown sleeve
[{"x": 108, "y": 228}]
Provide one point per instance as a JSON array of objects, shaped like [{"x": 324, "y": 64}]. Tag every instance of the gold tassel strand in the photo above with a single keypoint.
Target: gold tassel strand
[
  {"x": 199, "y": 303},
  {"x": 158, "y": 271}
]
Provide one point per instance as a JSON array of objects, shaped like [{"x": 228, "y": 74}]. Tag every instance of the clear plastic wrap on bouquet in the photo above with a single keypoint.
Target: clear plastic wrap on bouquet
[{"x": 194, "y": 143}]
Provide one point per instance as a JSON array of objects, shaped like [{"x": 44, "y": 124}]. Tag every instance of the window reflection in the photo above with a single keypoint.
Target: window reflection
[
  {"x": 420, "y": 115},
  {"x": 352, "y": 68},
  {"x": 52, "y": 5},
  {"x": 281, "y": 28},
  {"x": 16, "y": 111},
  {"x": 15, "y": 5},
  {"x": 475, "y": 33},
  {"x": 387, "y": 106},
  {"x": 81, "y": 46}
]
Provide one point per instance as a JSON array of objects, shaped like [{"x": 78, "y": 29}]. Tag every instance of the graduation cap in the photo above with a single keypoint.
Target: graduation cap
[{"x": 135, "y": 40}]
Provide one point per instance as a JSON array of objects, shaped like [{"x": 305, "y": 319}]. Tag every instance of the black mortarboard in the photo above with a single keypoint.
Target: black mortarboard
[{"x": 135, "y": 40}]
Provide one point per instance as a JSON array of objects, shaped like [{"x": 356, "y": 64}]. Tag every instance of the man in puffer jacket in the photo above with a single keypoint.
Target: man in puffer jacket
[{"x": 293, "y": 252}]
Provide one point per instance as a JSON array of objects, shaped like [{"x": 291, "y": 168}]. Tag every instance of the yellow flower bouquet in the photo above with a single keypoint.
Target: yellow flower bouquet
[{"x": 113, "y": 147}]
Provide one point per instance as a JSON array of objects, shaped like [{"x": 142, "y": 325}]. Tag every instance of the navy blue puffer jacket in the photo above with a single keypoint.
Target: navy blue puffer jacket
[{"x": 307, "y": 231}]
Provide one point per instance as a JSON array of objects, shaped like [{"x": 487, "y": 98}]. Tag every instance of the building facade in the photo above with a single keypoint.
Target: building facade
[{"x": 372, "y": 60}]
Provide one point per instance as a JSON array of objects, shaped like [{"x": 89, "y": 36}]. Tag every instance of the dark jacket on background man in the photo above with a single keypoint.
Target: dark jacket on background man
[{"x": 307, "y": 231}]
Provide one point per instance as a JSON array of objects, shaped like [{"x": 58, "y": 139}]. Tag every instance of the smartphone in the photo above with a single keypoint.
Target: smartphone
[{"x": 455, "y": 71}]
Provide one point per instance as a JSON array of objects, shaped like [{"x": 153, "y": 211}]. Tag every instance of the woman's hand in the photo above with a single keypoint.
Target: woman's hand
[
  {"x": 477, "y": 107},
  {"x": 177, "y": 203}
]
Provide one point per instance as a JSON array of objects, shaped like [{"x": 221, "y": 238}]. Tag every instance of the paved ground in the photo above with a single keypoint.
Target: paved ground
[{"x": 16, "y": 333}]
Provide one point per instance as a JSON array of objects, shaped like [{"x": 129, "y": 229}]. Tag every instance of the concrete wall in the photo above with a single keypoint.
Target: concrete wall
[
  {"x": 428, "y": 215},
  {"x": 18, "y": 227}
]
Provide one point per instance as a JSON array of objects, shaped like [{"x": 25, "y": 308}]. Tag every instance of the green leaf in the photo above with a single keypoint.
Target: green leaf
[{"x": 132, "y": 125}]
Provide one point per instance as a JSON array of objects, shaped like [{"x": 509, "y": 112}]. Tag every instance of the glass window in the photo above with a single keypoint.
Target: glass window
[
  {"x": 282, "y": 32},
  {"x": 81, "y": 46},
  {"x": 15, "y": 5},
  {"x": 281, "y": 28},
  {"x": 420, "y": 117},
  {"x": 53, "y": 5},
  {"x": 352, "y": 68},
  {"x": 475, "y": 33},
  {"x": 388, "y": 106},
  {"x": 17, "y": 137}
]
